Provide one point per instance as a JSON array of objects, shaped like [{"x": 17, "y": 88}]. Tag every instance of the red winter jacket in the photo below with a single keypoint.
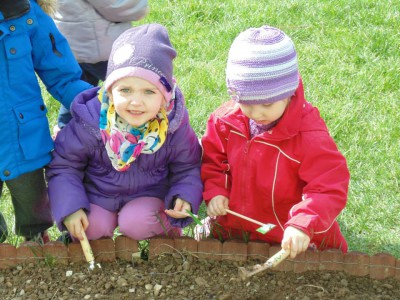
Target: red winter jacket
[{"x": 293, "y": 175}]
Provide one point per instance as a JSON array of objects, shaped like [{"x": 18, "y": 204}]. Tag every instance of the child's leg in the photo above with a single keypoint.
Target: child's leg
[
  {"x": 31, "y": 204},
  {"x": 3, "y": 224},
  {"x": 143, "y": 218},
  {"x": 102, "y": 223},
  {"x": 3, "y": 229}
]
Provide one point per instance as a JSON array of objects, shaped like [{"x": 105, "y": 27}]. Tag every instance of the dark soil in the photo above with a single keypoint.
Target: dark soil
[{"x": 183, "y": 277}]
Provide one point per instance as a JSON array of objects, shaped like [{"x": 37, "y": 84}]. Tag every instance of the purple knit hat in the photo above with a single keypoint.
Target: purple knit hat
[
  {"x": 146, "y": 52},
  {"x": 262, "y": 66}
]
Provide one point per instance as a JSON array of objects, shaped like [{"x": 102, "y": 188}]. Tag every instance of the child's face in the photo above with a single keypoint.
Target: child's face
[
  {"x": 136, "y": 100},
  {"x": 265, "y": 113}
]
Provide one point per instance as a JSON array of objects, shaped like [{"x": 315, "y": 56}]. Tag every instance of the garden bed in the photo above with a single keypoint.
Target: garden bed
[{"x": 175, "y": 270}]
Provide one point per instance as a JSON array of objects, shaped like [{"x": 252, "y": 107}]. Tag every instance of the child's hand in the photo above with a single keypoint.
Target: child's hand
[
  {"x": 180, "y": 208},
  {"x": 295, "y": 240},
  {"x": 217, "y": 206},
  {"x": 76, "y": 222}
]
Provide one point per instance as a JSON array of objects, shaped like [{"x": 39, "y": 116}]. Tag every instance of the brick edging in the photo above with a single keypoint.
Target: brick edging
[{"x": 378, "y": 266}]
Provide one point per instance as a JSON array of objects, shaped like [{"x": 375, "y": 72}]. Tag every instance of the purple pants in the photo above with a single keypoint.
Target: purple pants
[{"x": 139, "y": 219}]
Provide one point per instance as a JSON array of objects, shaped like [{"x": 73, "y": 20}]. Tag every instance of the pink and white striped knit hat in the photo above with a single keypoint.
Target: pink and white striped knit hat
[{"x": 262, "y": 66}]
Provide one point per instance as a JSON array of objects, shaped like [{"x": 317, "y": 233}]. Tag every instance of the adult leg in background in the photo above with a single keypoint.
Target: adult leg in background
[{"x": 93, "y": 73}]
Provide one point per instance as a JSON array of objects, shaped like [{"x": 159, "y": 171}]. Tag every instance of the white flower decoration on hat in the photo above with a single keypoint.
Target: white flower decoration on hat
[{"x": 123, "y": 54}]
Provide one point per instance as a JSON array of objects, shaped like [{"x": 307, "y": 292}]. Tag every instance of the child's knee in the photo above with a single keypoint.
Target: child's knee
[
  {"x": 143, "y": 218},
  {"x": 143, "y": 226},
  {"x": 102, "y": 223},
  {"x": 100, "y": 228}
]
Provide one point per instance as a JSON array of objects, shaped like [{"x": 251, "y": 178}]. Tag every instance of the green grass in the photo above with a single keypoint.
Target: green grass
[{"x": 349, "y": 60}]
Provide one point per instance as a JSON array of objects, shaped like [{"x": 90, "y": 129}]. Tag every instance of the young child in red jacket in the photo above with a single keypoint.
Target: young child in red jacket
[{"x": 268, "y": 154}]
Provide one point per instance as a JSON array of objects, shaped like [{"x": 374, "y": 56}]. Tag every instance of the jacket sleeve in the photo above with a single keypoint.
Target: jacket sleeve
[
  {"x": 326, "y": 176},
  {"x": 54, "y": 61},
  {"x": 215, "y": 165},
  {"x": 184, "y": 172},
  {"x": 121, "y": 11},
  {"x": 65, "y": 173}
]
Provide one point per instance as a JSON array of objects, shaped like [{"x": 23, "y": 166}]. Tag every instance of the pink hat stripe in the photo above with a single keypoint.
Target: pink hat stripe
[{"x": 137, "y": 72}]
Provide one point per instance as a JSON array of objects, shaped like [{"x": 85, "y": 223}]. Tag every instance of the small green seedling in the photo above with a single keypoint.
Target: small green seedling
[{"x": 195, "y": 218}]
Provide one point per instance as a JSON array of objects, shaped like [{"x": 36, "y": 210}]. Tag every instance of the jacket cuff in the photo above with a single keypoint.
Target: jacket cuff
[
  {"x": 302, "y": 223},
  {"x": 74, "y": 89},
  {"x": 211, "y": 193}
]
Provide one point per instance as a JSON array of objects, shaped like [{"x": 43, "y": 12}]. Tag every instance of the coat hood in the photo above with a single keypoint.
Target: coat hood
[{"x": 299, "y": 116}]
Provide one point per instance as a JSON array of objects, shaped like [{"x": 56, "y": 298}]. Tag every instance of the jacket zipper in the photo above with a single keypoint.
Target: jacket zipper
[{"x": 53, "y": 45}]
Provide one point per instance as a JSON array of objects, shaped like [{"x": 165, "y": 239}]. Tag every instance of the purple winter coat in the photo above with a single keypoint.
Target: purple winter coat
[{"x": 81, "y": 172}]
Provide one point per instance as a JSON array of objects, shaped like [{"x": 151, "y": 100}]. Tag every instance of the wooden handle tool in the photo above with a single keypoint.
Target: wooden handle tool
[
  {"x": 87, "y": 251},
  {"x": 264, "y": 227},
  {"x": 270, "y": 263}
]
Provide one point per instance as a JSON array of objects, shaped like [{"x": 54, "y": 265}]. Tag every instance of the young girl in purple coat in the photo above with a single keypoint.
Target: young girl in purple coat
[{"x": 129, "y": 157}]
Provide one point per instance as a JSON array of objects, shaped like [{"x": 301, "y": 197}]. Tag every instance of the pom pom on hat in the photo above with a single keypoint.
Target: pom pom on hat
[
  {"x": 262, "y": 66},
  {"x": 146, "y": 52}
]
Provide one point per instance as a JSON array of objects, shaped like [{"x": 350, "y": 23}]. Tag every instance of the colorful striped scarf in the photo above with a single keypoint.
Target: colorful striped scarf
[{"x": 123, "y": 142}]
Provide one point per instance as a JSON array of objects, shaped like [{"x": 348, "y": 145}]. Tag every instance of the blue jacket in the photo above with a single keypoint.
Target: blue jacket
[
  {"x": 31, "y": 45},
  {"x": 81, "y": 172}
]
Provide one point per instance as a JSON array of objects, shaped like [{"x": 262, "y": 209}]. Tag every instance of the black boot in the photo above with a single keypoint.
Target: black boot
[{"x": 3, "y": 229}]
